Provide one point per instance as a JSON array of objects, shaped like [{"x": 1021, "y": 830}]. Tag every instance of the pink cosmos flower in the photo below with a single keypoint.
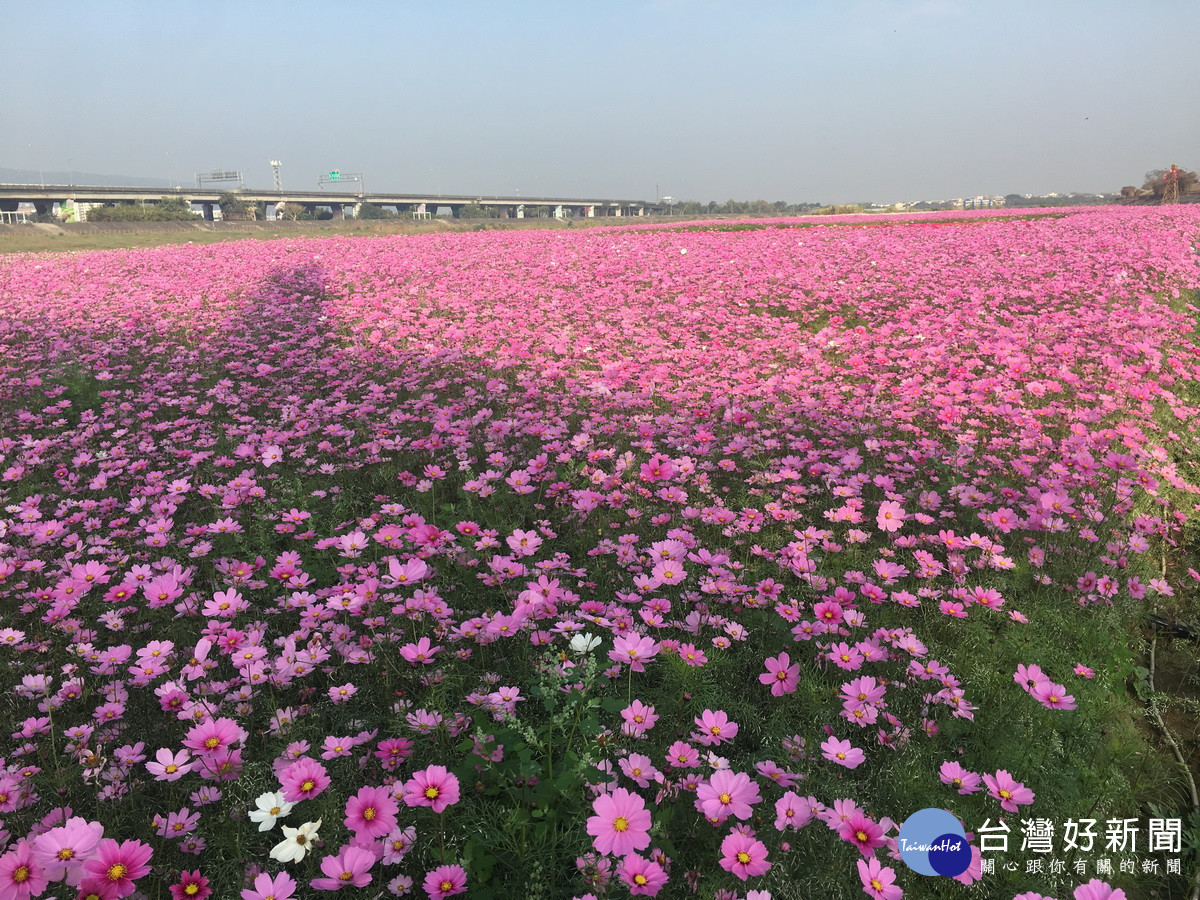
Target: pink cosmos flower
[
  {"x": 682, "y": 755},
  {"x": 420, "y": 653},
  {"x": 371, "y": 813},
  {"x": 434, "y": 787},
  {"x": 638, "y": 718},
  {"x": 668, "y": 572},
  {"x": 632, "y": 649},
  {"x": 119, "y": 865},
  {"x": 302, "y": 780},
  {"x": 642, "y": 876},
  {"x": 445, "y": 881},
  {"x": 1083, "y": 670},
  {"x": 1029, "y": 677},
  {"x": 714, "y": 728},
  {"x": 891, "y": 516},
  {"x": 392, "y": 752},
  {"x": 214, "y": 735},
  {"x": 728, "y": 793},
  {"x": 742, "y": 855},
  {"x": 1098, "y": 890},
  {"x": 781, "y": 675},
  {"x": 691, "y": 655},
  {"x": 170, "y": 766},
  {"x": 191, "y": 886},
  {"x": 845, "y": 657},
  {"x": 20, "y": 875},
  {"x": 792, "y": 811},
  {"x": 621, "y": 824},
  {"x": 955, "y": 775},
  {"x": 1010, "y": 793},
  {"x": 641, "y": 769},
  {"x": 863, "y": 832},
  {"x": 352, "y": 866},
  {"x": 397, "y": 844},
  {"x": 879, "y": 881},
  {"x": 842, "y": 753},
  {"x": 281, "y": 887},
  {"x": 1052, "y": 696},
  {"x": 62, "y": 851}
]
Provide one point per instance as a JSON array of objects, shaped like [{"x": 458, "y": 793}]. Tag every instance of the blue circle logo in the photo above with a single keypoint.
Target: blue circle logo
[{"x": 933, "y": 842}]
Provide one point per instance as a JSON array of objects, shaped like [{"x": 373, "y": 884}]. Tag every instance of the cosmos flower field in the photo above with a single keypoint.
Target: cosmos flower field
[{"x": 635, "y": 561}]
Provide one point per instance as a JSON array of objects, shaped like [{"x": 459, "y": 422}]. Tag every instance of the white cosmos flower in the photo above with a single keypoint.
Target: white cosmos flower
[
  {"x": 584, "y": 643},
  {"x": 296, "y": 842},
  {"x": 270, "y": 807}
]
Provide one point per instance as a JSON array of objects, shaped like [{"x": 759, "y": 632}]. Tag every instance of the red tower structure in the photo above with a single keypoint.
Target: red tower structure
[{"x": 1171, "y": 185}]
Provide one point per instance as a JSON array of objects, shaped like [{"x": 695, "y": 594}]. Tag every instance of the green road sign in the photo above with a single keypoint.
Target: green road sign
[{"x": 335, "y": 174}]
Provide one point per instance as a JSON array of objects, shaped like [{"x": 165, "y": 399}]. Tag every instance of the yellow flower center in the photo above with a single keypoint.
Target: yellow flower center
[
  {"x": 275, "y": 810},
  {"x": 725, "y": 798},
  {"x": 861, "y": 835},
  {"x": 446, "y": 886},
  {"x": 117, "y": 872},
  {"x": 620, "y": 823},
  {"x": 308, "y": 785},
  {"x": 876, "y": 884},
  {"x": 212, "y": 743},
  {"x": 369, "y": 813},
  {"x": 21, "y": 874},
  {"x": 431, "y": 792},
  {"x": 743, "y": 857},
  {"x": 171, "y": 769},
  {"x": 65, "y": 853},
  {"x": 639, "y": 878},
  {"x": 1005, "y": 794},
  {"x": 346, "y": 876}
]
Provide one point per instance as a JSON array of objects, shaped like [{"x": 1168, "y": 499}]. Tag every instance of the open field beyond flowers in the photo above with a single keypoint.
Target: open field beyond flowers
[{"x": 651, "y": 561}]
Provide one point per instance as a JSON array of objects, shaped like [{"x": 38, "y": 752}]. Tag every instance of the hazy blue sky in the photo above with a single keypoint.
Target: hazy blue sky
[{"x": 707, "y": 99}]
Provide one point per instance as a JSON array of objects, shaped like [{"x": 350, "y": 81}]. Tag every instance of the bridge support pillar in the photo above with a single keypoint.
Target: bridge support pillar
[
  {"x": 521, "y": 211},
  {"x": 558, "y": 211},
  {"x": 338, "y": 210},
  {"x": 208, "y": 211}
]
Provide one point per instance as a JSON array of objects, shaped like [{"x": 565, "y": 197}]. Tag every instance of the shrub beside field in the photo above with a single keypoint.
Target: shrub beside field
[{"x": 624, "y": 561}]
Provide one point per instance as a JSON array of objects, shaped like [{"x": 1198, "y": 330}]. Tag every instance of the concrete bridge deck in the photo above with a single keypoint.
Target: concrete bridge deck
[{"x": 44, "y": 197}]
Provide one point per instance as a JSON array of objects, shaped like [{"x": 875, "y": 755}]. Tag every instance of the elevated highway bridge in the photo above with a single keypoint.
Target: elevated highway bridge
[{"x": 49, "y": 198}]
